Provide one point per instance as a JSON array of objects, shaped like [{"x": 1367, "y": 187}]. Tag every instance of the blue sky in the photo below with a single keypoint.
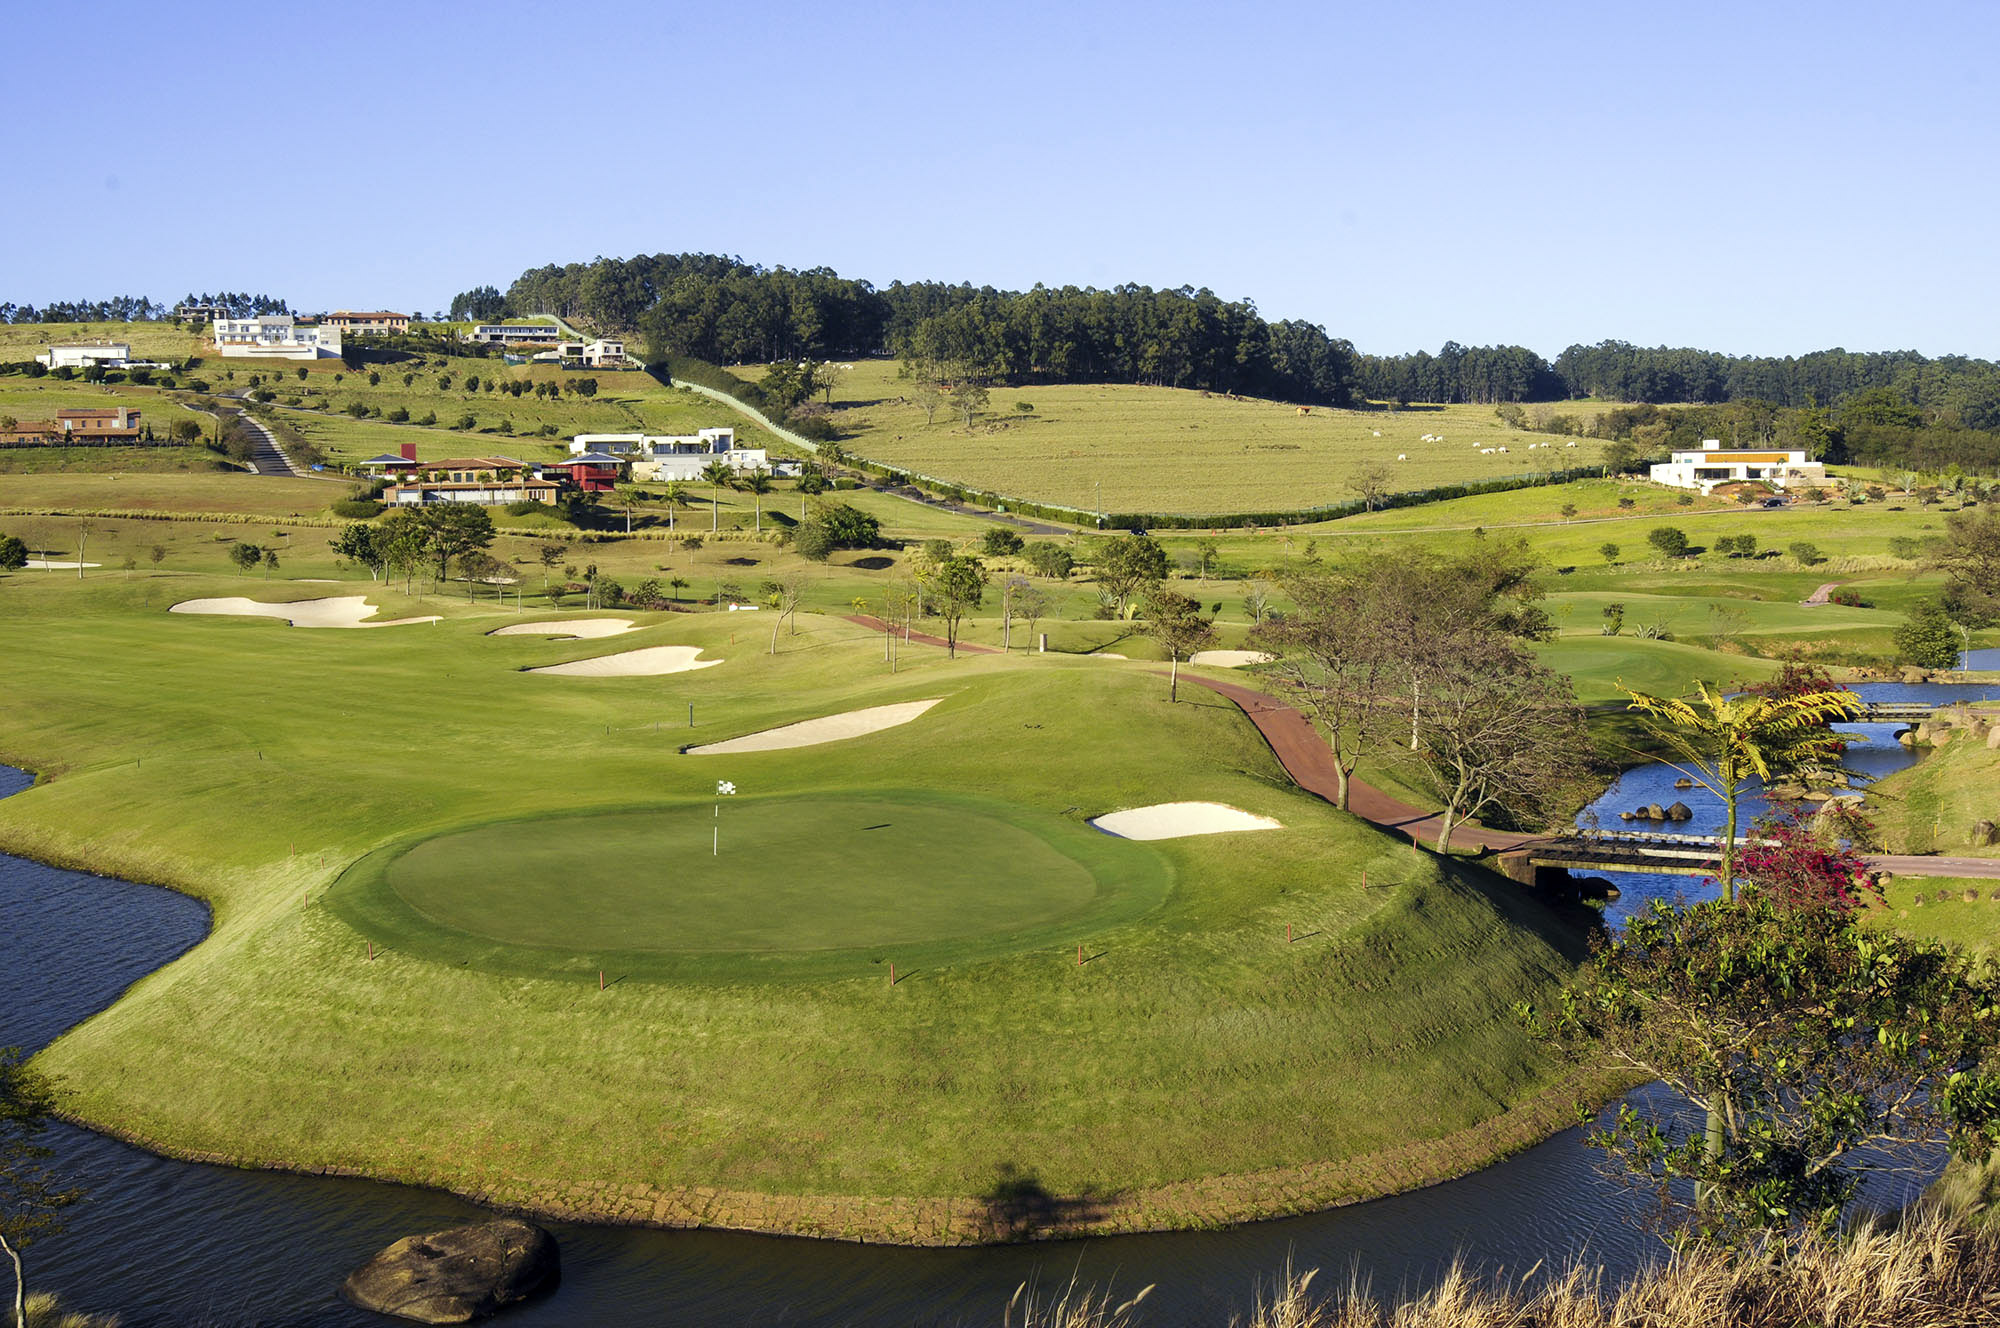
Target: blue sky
[{"x": 1752, "y": 178}]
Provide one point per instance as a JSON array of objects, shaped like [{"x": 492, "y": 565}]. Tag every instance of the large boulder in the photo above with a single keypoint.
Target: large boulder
[
  {"x": 1993, "y": 738},
  {"x": 1680, "y": 811},
  {"x": 1984, "y": 834},
  {"x": 459, "y": 1275}
]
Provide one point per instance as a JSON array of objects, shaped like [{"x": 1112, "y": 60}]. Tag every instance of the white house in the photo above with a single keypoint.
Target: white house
[
  {"x": 604, "y": 353},
  {"x": 275, "y": 337},
  {"x": 108, "y": 354},
  {"x": 1712, "y": 464},
  {"x": 657, "y": 458},
  {"x": 509, "y": 334}
]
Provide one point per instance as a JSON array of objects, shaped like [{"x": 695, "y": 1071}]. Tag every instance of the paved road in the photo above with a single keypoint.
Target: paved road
[
  {"x": 267, "y": 459},
  {"x": 1821, "y": 595}
]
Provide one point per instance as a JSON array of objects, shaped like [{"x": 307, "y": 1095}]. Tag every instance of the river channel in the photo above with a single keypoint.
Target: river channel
[{"x": 173, "y": 1243}]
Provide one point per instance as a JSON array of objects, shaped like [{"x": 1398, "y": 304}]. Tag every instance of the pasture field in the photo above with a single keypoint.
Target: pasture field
[
  {"x": 1110, "y": 448},
  {"x": 149, "y": 341},
  {"x": 40, "y": 399},
  {"x": 1192, "y": 1043}
]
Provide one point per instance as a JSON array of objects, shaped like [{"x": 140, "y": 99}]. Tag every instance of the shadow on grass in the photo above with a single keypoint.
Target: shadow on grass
[{"x": 1019, "y": 1207}]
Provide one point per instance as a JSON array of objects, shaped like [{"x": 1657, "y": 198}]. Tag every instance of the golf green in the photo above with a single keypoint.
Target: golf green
[{"x": 806, "y": 884}]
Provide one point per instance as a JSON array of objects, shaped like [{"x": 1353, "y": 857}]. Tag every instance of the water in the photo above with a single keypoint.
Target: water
[
  {"x": 1873, "y": 751},
  {"x": 173, "y": 1243}
]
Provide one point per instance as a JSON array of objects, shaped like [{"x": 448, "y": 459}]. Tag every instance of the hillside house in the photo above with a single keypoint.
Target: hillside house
[
  {"x": 199, "y": 313},
  {"x": 484, "y": 480},
  {"x": 1703, "y": 468},
  {"x": 29, "y": 433},
  {"x": 96, "y": 425},
  {"x": 515, "y": 334},
  {"x": 601, "y": 354},
  {"x": 659, "y": 458},
  {"x": 106, "y": 354},
  {"x": 592, "y": 472},
  {"x": 378, "y": 321},
  {"x": 275, "y": 337}
]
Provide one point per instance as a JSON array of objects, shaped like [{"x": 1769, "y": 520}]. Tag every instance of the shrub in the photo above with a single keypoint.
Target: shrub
[
  {"x": 1806, "y": 552},
  {"x": 1849, "y": 598},
  {"x": 399, "y": 415},
  {"x": 1050, "y": 560},
  {"x": 1627, "y": 501},
  {"x": 1902, "y": 546},
  {"x": 357, "y": 509},
  {"x": 1000, "y": 542},
  {"x": 1671, "y": 541},
  {"x": 527, "y": 507}
]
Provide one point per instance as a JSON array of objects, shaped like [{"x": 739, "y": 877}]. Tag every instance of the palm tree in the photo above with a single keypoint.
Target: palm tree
[
  {"x": 717, "y": 473},
  {"x": 1725, "y": 741},
  {"x": 677, "y": 496},
  {"x": 758, "y": 482}
]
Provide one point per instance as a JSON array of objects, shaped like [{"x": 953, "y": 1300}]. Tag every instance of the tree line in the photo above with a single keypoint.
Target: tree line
[{"x": 138, "y": 308}]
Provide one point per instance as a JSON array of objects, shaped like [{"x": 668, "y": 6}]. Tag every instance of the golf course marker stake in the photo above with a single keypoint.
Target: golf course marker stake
[
  {"x": 371, "y": 952},
  {"x": 1288, "y": 933},
  {"x": 1364, "y": 878},
  {"x": 600, "y": 979},
  {"x": 892, "y": 972},
  {"x": 1079, "y": 956}
]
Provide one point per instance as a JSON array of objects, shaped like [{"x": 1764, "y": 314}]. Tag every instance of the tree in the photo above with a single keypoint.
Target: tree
[
  {"x": 1969, "y": 556},
  {"x": 676, "y": 496},
  {"x": 270, "y": 562},
  {"x": 1051, "y": 560},
  {"x": 1817, "y": 1048},
  {"x": 365, "y": 544},
  {"x": 1499, "y": 732},
  {"x": 245, "y": 555},
  {"x": 13, "y": 554},
  {"x": 957, "y": 586},
  {"x": 1333, "y": 662},
  {"x": 1127, "y": 566},
  {"x": 1372, "y": 483},
  {"x": 832, "y": 526},
  {"x": 1207, "y": 553},
  {"x": 1569, "y": 511},
  {"x": 1175, "y": 622},
  {"x": 758, "y": 482},
  {"x": 1026, "y": 600},
  {"x": 31, "y": 1200},
  {"x": 1805, "y": 553},
  {"x": 451, "y": 530},
  {"x": 717, "y": 473},
  {"x": 1001, "y": 542},
  {"x": 158, "y": 554},
  {"x": 928, "y": 393},
  {"x": 1609, "y": 552},
  {"x": 786, "y": 592},
  {"x": 968, "y": 398},
  {"x": 1927, "y": 637},
  {"x": 185, "y": 432},
  {"x": 1724, "y": 742},
  {"x": 1671, "y": 541},
  {"x": 476, "y": 566}
]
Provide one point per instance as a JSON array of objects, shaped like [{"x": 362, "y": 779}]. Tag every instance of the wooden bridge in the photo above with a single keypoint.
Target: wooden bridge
[
  {"x": 1652, "y": 851},
  {"x": 1892, "y": 712}
]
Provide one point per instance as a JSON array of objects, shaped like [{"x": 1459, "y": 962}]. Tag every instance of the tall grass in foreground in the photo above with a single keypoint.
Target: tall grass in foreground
[
  {"x": 45, "y": 1311},
  {"x": 1930, "y": 1271}
]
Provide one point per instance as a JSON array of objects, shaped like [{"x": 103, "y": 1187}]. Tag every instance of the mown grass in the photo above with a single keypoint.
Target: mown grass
[
  {"x": 149, "y": 341},
  {"x": 249, "y": 762},
  {"x": 1113, "y": 448}
]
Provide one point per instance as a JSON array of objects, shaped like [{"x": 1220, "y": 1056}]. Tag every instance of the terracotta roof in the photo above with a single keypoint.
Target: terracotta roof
[{"x": 96, "y": 414}]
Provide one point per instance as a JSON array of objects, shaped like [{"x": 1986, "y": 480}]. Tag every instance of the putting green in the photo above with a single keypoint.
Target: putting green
[{"x": 804, "y": 885}]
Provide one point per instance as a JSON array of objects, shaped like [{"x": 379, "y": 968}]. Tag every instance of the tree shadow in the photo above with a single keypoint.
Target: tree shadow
[{"x": 1019, "y": 1207}]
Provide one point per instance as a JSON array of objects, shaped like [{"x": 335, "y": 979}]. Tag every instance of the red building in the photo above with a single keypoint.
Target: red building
[{"x": 593, "y": 472}]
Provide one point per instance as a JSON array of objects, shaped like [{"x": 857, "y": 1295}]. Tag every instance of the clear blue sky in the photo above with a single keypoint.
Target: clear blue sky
[{"x": 1753, "y": 178}]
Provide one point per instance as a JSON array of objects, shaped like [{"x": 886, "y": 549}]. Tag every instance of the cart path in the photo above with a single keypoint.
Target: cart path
[
  {"x": 1820, "y": 596},
  {"x": 874, "y": 624},
  {"x": 1308, "y": 760}
]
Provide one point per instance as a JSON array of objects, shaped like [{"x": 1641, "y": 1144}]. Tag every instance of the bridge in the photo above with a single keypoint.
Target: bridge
[
  {"x": 1651, "y": 851},
  {"x": 1888, "y": 712}
]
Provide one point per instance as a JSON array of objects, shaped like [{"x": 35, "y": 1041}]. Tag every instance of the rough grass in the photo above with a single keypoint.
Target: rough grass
[
  {"x": 1117, "y": 448},
  {"x": 149, "y": 341},
  {"x": 249, "y": 762},
  {"x": 1931, "y": 806}
]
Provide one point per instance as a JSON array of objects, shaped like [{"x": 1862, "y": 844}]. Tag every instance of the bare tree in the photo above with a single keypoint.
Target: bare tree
[
  {"x": 1024, "y": 599},
  {"x": 785, "y": 599},
  {"x": 1372, "y": 483},
  {"x": 1334, "y": 660}
]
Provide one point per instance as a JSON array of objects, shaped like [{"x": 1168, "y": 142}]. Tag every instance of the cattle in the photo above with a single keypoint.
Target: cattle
[
  {"x": 1305, "y": 410},
  {"x": 1401, "y": 457}
]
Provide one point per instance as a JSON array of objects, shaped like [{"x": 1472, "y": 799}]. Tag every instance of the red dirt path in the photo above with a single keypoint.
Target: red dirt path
[{"x": 874, "y": 624}]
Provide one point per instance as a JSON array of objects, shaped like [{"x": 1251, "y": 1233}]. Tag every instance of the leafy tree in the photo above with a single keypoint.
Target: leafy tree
[
  {"x": 758, "y": 482},
  {"x": 1614, "y": 618},
  {"x": 1334, "y": 662},
  {"x": 1001, "y": 542},
  {"x": 365, "y": 544},
  {"x": 1569, "y": 511},
  {"x": 1671, "y": 541},
  {"x": 245, "y": 555},
  {"x": 270, "y": 562},
  {"x": 1127, "y": 566},
  {"x": 1724, "y": 742},
  {"x": 1609, "y": 551},
  {"x": 13, "y": 554},
  {"x": 1927, "y": 637},
  {"x": 1051, "y": 560},
  {"x": 1176, "y": 623},
  {"x": 968, "y": 398},
  {"x": 957, "y": 586},
  {"x": 158, "y": 554},
  {"x": 1969, "y": 556},
  {"x": 717, "y": 473},
  {"x": 1817, "y": 1048},
  {"x": 31, "y": 1199},
  {"x": 1022, "y": 599},
  {"x": 185, "y": 432},
  {"x": 452, "y": 530},
  {"x": 1805, "y": 553},
  {"x": 832, "y": 526}
]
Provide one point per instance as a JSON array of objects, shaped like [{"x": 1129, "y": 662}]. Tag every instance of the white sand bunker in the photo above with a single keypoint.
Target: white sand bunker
[
  {"x": 55, "y": 565},
  {"x": 1177, "y": 820},
  {"x": 1229, "y": 659},
  {"x": 341, "y": 611},
  {"x": 646, "y": 663},
  {"x": 830, "y": 728},
  {"x": 1105, "y": 654},
  {"x": 570, "y": 629}
]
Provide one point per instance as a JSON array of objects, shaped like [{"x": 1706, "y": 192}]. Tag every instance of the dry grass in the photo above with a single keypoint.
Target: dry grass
[
  {"x": 1930, "y": 1271},
  {"x": 45, "y": 1311}
]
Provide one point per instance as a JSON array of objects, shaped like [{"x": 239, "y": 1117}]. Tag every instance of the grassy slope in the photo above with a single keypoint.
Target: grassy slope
[
  {"x": 205, "y": 752},
  {"x": 1155, "y": 449},
  {"x": 149, "y": 341},
  {"x": 1931, "y": 806}
]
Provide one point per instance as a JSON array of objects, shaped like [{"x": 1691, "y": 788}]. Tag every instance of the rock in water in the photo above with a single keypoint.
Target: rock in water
[
  {"x": 1683, "y": 783},
  {"x": 1680, "y": 811},
  {"x": 459, "y": 1275},
  {"x": 1655, "y": 812}
]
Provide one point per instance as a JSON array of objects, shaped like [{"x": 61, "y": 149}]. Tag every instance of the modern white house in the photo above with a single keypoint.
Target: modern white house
[
  {"x": 514, "y": 334},
  {"x": 603, "y": 353},
  {"x": 657, "y": 458},
  {"x": 275, "y": 337},
  {"x": 371, "y": 321},
  {"x": 109, "y": 354},
  {"x": 1713, "y": 464}
]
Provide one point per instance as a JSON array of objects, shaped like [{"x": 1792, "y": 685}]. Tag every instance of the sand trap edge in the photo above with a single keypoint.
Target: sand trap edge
[
  {"x": 1179, "y": 820},
  {"x": 813, "y": 732}
]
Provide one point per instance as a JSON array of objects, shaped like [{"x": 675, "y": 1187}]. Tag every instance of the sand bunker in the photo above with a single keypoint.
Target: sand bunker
[
  {"x": 55, "y": 565},
  {"x": 342, "y": 611},
  {"x": 570, "y": 629},
  {"x": 1177, "y": 820},
  {"x": 831, "y": 728},
  {"x": 646, "y": 663},
  {"x": 1105, "y": 654},
  {"x": 1229, "y": 659}
]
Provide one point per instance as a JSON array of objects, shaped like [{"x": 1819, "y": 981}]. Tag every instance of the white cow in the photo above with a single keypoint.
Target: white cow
[{"x": 1401, "y": 457}]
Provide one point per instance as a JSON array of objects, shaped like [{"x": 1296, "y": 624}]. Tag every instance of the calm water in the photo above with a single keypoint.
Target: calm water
[{"x": 170, "y": 1243}]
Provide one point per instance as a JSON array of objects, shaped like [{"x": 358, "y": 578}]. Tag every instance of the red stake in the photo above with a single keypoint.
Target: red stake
[
  {"x": 600, "y": 979},
  {"x": 1364, "y": 878},
  {"x": 1079, "y": 956},
  {"x": 371, "y": 952},
  {"x": 892, "y": 972},
  {"x": 1288, "y": 933}
]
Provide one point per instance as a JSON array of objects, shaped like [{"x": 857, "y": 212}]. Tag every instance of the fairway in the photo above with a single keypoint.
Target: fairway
[{"x": 831, "y": 880}]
